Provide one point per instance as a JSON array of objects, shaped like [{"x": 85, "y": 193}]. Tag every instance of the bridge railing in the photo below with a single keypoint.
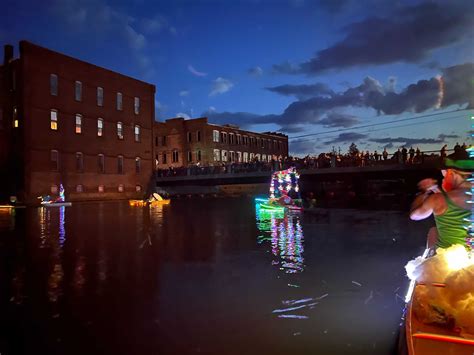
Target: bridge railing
[{"x": 323, "y": 161}]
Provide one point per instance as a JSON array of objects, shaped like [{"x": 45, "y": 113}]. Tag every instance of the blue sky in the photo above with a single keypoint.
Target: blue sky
[{"x": 324, "y": 66}]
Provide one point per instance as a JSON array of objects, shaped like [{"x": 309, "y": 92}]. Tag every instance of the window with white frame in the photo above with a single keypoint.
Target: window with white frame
[
  {"x": 54, "y": 120},
  {"x": 136, "y": 131},
  {"x": 217, "y": 154},
  {"x": 53, "y": 84},
  {"x": 245, "y": 156},
  {"x": 119, "y": 130},
  {"x": 224, "y": 156},
  {"x": 257, "y": 157},
  {"x": 136, "y": 105},
  {"x": 175, "y": 156},
  {"x": 78, "y": 123},
  {"x": 251, "y": 156},
  {"x": 223, "y": 137},
  {"x": 239, "y": 139},
  {"x": 119, "y": 101},
  {"x": 215, "y": 136},
  {"x": 239, "y": 157},
  {"x": 54, "y": 160},
  {"x": 79, "y": 162},
  {"x": 100, "y": 96},
  {"x": 78, "y": 91},
  {"x": 231, "y": 138},
  {"x": 100, "y": 127},
  {"x": 232, "y": 156}
]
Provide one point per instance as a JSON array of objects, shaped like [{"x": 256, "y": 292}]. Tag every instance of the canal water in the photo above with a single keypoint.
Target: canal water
[{"x": 202, "y": 276}]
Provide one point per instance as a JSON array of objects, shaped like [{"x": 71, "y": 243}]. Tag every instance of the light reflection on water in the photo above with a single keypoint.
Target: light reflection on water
[{"x": 285, "y": 234}]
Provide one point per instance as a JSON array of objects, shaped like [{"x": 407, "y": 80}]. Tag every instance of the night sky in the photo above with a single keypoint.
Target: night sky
[{"x": 302, "y": 67}]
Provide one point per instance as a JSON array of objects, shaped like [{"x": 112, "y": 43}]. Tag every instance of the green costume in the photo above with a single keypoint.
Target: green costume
[{"x": 450, "y": 224}]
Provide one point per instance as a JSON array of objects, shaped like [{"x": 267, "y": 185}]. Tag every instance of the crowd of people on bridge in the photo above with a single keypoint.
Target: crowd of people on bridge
[{"x": 353, "y": 158}]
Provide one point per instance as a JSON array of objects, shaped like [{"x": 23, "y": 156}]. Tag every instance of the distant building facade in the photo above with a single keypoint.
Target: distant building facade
[
  {"x": 182, "y": 143},
  {"x": 65, "y": 121}
]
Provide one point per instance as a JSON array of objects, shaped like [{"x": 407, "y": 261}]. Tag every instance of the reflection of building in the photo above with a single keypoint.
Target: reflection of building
[
  {"x": 179, "y": 142},
  {"x": 285, "y": 233},
  {"x": 66, "y": 121}
]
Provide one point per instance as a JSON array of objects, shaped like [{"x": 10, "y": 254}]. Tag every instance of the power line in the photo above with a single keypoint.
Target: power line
[
  {"x": 376, "y": 124},
  {"x": 381, "y": 129}
]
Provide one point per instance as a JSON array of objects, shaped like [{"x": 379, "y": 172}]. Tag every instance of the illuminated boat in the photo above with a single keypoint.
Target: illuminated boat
[
  {"x": 154, "y": 200},
  {"x": 284, "y": 193},
  {"x": 46, "y": 201},
  {"x": 56, "y": 204}
]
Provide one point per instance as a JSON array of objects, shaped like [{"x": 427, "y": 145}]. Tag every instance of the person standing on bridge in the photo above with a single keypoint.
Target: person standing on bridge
[
  {"x": 448, "y": 204},
  {"x": 385, "y": 153}
]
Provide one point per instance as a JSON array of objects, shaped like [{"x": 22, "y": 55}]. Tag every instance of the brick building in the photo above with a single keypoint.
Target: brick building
[
  {"x": 179, "y": 142},
  {"x": 65, "y": 121}
]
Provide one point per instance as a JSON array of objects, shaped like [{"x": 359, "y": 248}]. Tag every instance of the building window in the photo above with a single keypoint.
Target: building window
[
  {"x": 217, "y": 155},
  {"x": 54, "y": 160},
  {"x": 223, "y": 137},
  {"x": 79, "y": 162},
  {"x": 100, "y": 127},
  {"x": 101, "y": 163},
  {"x": 100, "y": 96},
  {"x": 78, "y": 123},
  {"x": 78, "y": 91},
  {"x": 119, "y": 101},
  {"x": 54, "y": 189},
  {"x": 190, "y": 156},
  {"x": 232, "y": 156},
  {"x": 251, "y": 156},
  {"x": 238, "y": 139},
  {"x": 137, "y": 133},
  {"x": 79, "y": 188},
  {"x": 136, "y": 105},
  {"x": 120, "y": 164},
  {"x": 231, "y": 138},
  {"x": 101, "y": 188},
  {"x": 137, "y": 165},
  {"x": 15, "y": 117},
  {"x": 54, "y": 120},
  {"x": 246, "y": 157},
  {"x": 198, "y": 155},
  {"x": 215, "y": 136},
  {"x": 138, "y": 188},
  {"x": 239, "y": 157},
  {"x": 120, "y": 188},
  {"x": 164, "y": 158},
  {"x": 175, "y": 156},
  {"x": 163, "y": 141},
  {"x": 224, "y": 156},
  {"x": 190, "y": 137},
  {"x": 198, "y": 136},
  {"x": 156, "y": 141},
  {"x": 119, "y": 130},
  {"x": 53, "y": 84}
]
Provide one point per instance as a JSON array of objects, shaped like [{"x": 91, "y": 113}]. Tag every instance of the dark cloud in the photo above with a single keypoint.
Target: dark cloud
[
  {"x": 303, "y": 91},
  {"x": 404, "y": 141},
  {"x": 348, "y": 137},
  {"x": 335, "y": 119},
  {"x": 444, "y": 136},
  {"x": 407, "y": 35},
  {"x": 303, "y": 146}
]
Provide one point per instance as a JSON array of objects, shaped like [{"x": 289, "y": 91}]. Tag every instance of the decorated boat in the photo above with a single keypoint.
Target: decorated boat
[
  {"x": 48, "y": 201},
  {"x": 154, "y": 200},
  {"x": 284, "y": 193}
]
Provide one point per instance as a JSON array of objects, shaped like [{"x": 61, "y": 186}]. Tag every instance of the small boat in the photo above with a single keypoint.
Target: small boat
[
  {"x": 56, "y": 204},
  {"x": 154, "y": 200}
]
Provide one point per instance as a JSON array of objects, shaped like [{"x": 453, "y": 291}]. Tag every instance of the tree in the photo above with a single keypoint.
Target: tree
[{"x": 353, "y": 151}]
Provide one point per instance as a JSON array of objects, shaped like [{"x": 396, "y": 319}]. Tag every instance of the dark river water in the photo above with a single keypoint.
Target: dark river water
[{"x": 209, "y": 276}]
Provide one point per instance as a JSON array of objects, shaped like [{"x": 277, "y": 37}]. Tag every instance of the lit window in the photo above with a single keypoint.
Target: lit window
[
  {"x": 53, "y": 84},
  {"x": 198, "y": 155},
  {"x": 120, "y": 164},
  {"x": 120, "y": 188},
  {"x": 164, "y": 158},
  {"x": 54, "y": 189},
  {"x": 79, "y": 162},
  {"x": 54, "y": 120},
  {"x": 175, "y": 156},
  {"x": 190, "y": 156},
  {"x": 119, "y": 130},
  {"x": 100, "y": 127},
  {"x": 215, "y": 136},
  {"x": 101, "y": 163},
  {"x": 217, "y": 155},
  {"x": 138, "y": 188},
  {"x": 78, "y": 91},
  {"x": 78, "y": 124},
  {"x": 137, "y": 165},
  {"x": 136, "y": 105},
  {"x": 137, "y": 133},
  {"x": 79, "y": 188},
  {"x": 119, "y": 101},
  {"x": 101, "y": 188},
  {"x": 198, "y": 136},
  {"x": 54, "y": 160},
  {"x": 100, "y": 96},
  {"x": 190, "y": 136},
  {"x": 15, "y": 117},
  {"x": 224, "y": 156}
]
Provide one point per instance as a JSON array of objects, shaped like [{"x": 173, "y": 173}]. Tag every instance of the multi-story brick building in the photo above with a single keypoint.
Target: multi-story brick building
[
  {"x": 65, "y": 121},
  {"x": 179, "y": 142}
]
